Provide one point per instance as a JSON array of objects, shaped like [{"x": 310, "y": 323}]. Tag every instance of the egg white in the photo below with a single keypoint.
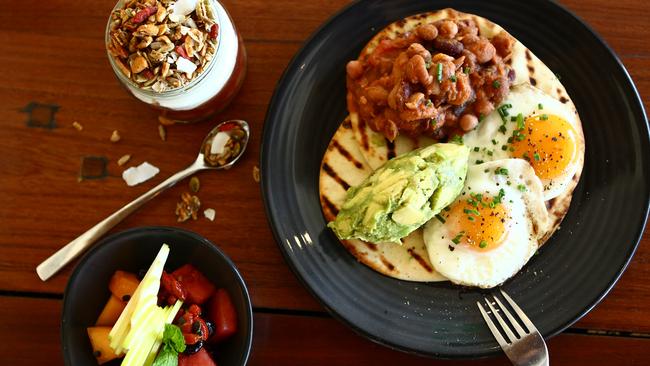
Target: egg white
[
  {"x": 528, "y": 221},
  {"x": 525, "y": 99}
]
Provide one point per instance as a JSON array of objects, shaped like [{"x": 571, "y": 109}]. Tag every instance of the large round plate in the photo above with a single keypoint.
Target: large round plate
[{"x": 569, "y": 276}]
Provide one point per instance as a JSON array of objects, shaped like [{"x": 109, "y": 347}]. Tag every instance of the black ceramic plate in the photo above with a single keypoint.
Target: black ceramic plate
[
  {"x": 570, "y": 275},
  {"x": 134, "y": 250}
]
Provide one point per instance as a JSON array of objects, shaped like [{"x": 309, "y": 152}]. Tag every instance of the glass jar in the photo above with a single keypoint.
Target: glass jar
[{"x": 207, "y": 93}]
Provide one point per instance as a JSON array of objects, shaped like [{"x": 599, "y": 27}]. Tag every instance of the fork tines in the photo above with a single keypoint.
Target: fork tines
[{"x": 514, "y": 328}]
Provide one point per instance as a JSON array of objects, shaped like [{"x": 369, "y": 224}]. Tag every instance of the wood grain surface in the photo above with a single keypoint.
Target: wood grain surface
[{"x": 53, "y": 54}]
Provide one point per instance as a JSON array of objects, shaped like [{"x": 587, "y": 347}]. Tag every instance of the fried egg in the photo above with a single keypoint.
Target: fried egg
[
  {"x": 533, "y": 126},
  {"x": 493, "y": 227}
]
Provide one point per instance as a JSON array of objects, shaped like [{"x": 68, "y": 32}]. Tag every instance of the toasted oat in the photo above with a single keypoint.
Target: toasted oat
[
  {"x": 124, "y": 159},
  {"x": 115, "y": 136},
  {"x": 188, "y": 207},
  {"x": 162, "y": 132},
  {"x": 77, "y": 126},
  {"x": 256, "y": 174}
]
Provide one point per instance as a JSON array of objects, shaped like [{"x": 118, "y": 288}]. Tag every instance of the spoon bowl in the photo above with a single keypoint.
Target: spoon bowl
[{"x": 237, "y": 134}]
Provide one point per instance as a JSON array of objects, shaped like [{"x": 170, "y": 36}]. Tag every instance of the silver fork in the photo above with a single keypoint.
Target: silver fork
[{"x": 524, "y": 347}]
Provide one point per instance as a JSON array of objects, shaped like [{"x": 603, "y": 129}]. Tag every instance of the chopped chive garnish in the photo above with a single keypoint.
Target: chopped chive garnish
[
  {"x": 536, "y": 156},
  {"x": 504, "y": 147},
  {"x": 453, "y": 78},
  {"x": 429, "y": 103},
  {"x": 520, "y": 121},
  {"x": 472, "y": 212},
  {"x": 470, "y": 218},
  {"x": 496, "y": 84},
  {"x": 440, "y": 218},
  {"x": 457, "y": 139},
  {"x": 483, "y": 244},
  {"x": 502, "y": 129},
  {"x": 494, "y": 142},
  {"x": 501, "y": 171},
  {"x": 543, "y": 117},
  {"x": 540, "y": 106},
  {"x": 439, "y": 72},
  {"x": 513, "y": 119},
  {"x": 466, "y": 70},
  {"x": 508, "y": 182},
  {"x": 479, "y": 162},
  {"x": 525, "y": 156},
  {"x": 521, "y": 187},
  {"x": 476, "y": 149},
  {"x": 457, "y": 238},
  {"x": 490, "y": 152}
]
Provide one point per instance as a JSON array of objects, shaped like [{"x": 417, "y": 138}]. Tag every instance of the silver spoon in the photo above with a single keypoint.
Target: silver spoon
[{"x": 206, "y": 160}]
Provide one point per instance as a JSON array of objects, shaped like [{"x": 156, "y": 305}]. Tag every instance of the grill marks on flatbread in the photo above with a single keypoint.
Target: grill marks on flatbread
[{"x": 344, "y": 166}]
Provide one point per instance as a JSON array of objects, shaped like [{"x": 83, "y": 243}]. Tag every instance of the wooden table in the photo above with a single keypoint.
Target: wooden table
[{"x": 52, "y": 54}]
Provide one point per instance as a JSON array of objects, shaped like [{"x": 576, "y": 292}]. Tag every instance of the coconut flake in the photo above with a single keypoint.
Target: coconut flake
[
  {"x": 185, "y": 65},
  {"x": 219, "y": 143},
  {"x": 180, "y": 9},
  {"x": 139, "y": 174},
  {"x": 209, "y": 214}
]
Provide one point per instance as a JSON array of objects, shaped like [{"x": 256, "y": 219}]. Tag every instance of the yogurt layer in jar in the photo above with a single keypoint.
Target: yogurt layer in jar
[{"x": 184, "y": 58}]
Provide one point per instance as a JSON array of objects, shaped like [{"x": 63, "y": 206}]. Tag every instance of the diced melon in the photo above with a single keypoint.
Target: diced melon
[
  {"x": 111, "y": 312},
  {"x": 101, "y": 345},
  {"x": 123, "y": 285}
]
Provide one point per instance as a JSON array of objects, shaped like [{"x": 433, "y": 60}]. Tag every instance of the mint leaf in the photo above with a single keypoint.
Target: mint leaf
[
  {"x": 174, "y": 343},
  {"x": 166, "y": 357},
  {"x": 173, "y": 337}
]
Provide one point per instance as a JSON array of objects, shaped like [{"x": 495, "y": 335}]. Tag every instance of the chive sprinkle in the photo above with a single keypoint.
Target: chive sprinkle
[
  {"x": 501, "y": 171},
  {"x": 439, "y": 72},
  {"x": 457, "y": 238},
  {"x": 466, "y": 70},
  {"x": 496, "y": 84},
  {"x": 520, "y": 121},
  {"x": 536, "y": 156},
  {"x": 521, "y": 187},
  {"x": 543, "y": 117},
  {"x": 476, "y": 149},
  {"x": 453, "y": 78},
  {"x": 472, "y": 212},
  {"x": 483, "y": 244},
  {"x": 440, "y": 218},
  {"x": 540, "y": 106}
]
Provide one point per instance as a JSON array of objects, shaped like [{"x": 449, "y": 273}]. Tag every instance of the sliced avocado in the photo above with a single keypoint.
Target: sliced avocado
[{"x": 403, "y": 194}]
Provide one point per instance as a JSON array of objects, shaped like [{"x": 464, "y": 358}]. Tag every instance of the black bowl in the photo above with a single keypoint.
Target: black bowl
[{"x": 133, "y": 250}]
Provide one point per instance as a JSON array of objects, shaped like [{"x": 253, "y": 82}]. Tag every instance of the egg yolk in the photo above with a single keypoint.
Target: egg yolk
[
  {"x": 478, "y": 222},
  {"x": 548, "y": 142}
]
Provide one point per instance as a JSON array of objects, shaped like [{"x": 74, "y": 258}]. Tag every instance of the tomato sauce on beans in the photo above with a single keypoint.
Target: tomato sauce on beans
[{"x": 439, "y": 79}]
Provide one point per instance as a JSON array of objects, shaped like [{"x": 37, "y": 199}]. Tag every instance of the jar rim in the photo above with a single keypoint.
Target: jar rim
[{"x": 169, "y": 92}]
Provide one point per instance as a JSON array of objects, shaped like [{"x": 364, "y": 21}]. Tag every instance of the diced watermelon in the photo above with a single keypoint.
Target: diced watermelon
[
  {"x": 199, "y": 289},
  {"x": 201, "y": 358},
  {"x": 221, "y": 312}
]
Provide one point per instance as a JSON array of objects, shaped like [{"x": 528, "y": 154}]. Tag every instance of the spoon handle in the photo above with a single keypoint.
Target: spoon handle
[{"x": 72, "y": 250}]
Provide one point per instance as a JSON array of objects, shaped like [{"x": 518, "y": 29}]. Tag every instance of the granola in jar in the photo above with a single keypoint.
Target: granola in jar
[{"x": 182, "y": 57}]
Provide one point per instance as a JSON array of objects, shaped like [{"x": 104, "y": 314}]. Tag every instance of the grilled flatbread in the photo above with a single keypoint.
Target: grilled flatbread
[
  {"x": 343, "y": 166},
  {"x": 356, "y": 150}
]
